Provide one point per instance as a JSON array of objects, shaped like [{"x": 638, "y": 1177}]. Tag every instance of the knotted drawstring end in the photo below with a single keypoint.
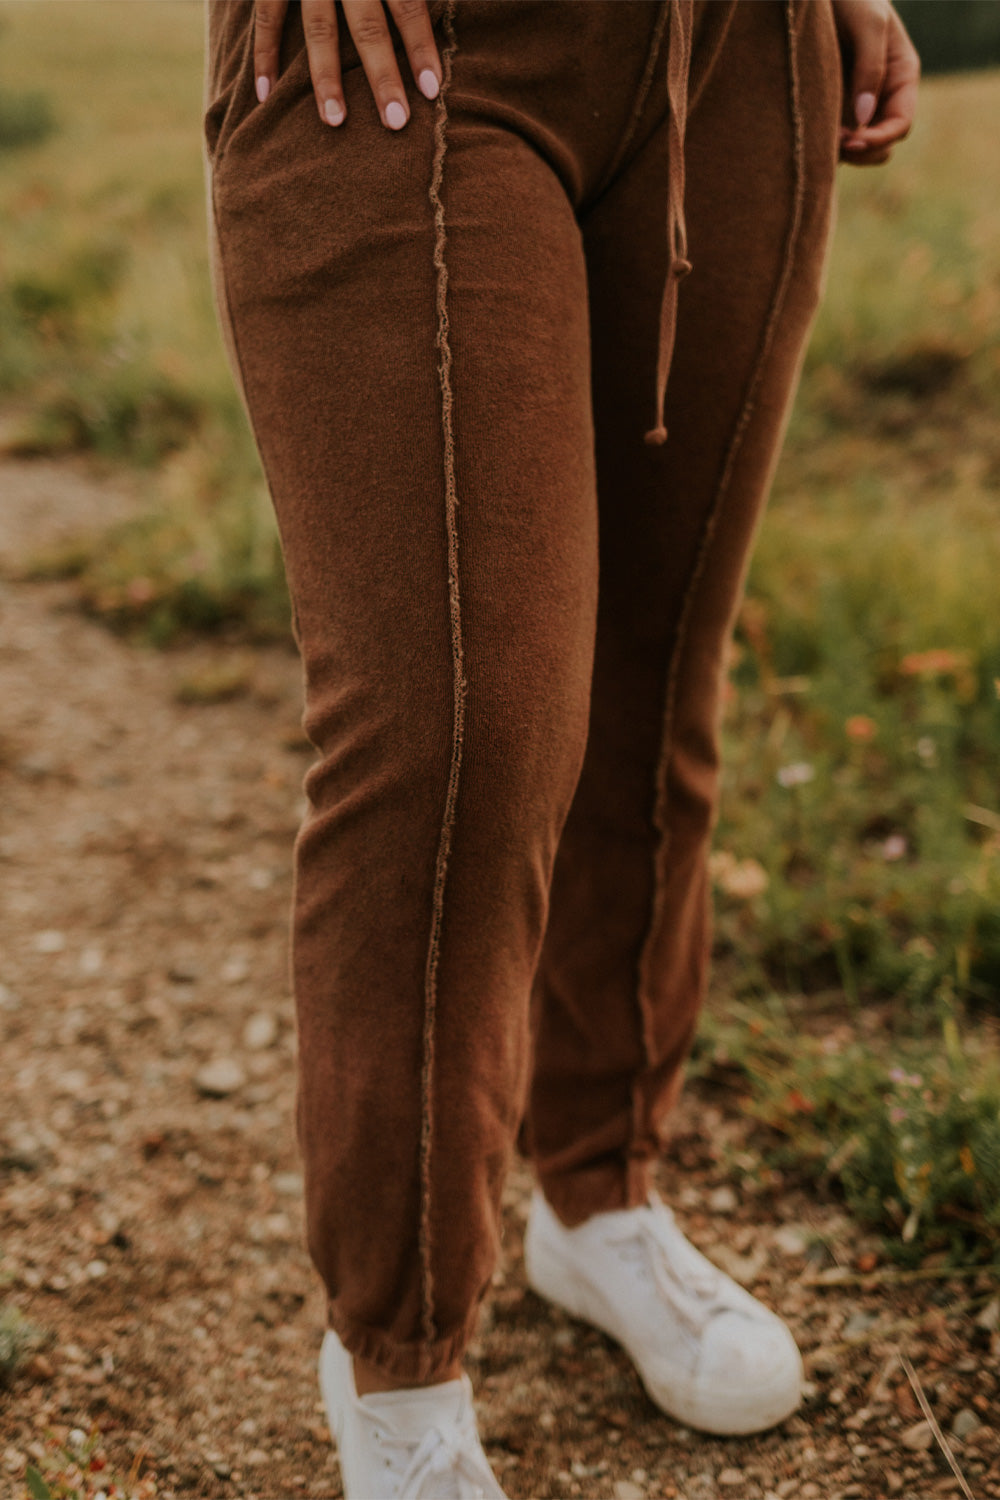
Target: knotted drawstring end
[{"x": 680, "y": 13}]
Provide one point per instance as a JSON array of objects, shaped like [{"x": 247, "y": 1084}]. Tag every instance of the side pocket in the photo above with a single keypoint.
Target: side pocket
[{"x": 228, "y": 82}]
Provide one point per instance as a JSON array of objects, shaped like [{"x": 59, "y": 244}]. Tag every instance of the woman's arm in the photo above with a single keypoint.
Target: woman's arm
[
  {"x": 369, "y": 27},
  {"x": 881, "y": 73}
]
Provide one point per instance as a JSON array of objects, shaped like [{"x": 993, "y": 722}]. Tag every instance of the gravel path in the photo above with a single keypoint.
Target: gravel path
[{"x": 150, "y": 1216}]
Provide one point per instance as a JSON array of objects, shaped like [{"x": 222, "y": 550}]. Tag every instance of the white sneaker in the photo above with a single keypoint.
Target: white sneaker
[
  {"x": 419, "y": 1444},
  {"x": 708, "y": 1353}
]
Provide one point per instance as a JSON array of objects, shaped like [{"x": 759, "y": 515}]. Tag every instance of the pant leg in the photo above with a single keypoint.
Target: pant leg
[
  {"x": 408, "y": 318},
  {"x": 624, "y": 965}
]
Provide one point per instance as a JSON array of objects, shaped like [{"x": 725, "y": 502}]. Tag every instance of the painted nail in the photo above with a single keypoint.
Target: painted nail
[
  {"x": 263, "y": 88},
  {"x": 395, "y": 115},
  {"x": 428, "y": 85},
  {"x": 333, "y": 111},
  {"x": 864, "y": 108}
]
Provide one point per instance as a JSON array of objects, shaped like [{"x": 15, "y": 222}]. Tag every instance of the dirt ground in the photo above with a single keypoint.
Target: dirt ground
[{"x": 150, "y": 1214}]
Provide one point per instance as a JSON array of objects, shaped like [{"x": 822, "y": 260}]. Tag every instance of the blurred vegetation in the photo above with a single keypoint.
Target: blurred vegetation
[
  {"x": 863, "y": 725},
  {"x": 952, "y": 35},
  {"x": 24, "y": 119},
  {"x": 907, "y": 1125},
  {"x": 18, "y": 1338},
  {"x": 857, "y": 859},
  {"x": 108, "y": 343},
  {"x": 78, "y": 1468}
]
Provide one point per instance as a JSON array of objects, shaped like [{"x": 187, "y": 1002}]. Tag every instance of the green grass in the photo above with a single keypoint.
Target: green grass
[
  {"x": 868, "y": 654},
  {"x": 908, "y": 1126},
  {"x": 108, "y": 342},
  {"x": 18, "y": 1338},
  {"x": 858, "y": 850},
  {"x": 79, "y": 1469}
]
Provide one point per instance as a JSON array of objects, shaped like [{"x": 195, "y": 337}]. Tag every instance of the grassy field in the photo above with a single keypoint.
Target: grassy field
[
  {"x": 858, "y": 855},
  {"x": 108, "y": 340}
]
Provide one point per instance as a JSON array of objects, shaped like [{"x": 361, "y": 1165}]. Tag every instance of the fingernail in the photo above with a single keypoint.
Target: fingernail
[
  {"x": 263, "y": 88},
  {"x": 428, "y": 85},
  {"x": 864, "y": 108},
  {"x": 395, "y": 115},
  {"x": 333, "y": 111}
]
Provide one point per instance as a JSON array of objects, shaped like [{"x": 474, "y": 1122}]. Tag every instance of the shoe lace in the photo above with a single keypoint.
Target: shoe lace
[
  {"x": 433, "y": 1469},
  {"x": 688, "y": 1283}
]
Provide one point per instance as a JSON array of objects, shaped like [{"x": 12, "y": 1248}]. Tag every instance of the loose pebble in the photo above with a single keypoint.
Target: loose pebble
[
  {"x": 49, "y": 941},
  {"x": 742, "y": 1268},
  {"x": 964, "y": 1422},
  {"x": 857, "y": 1324},
  {"x": 989, "y": 1318},
  {"x": 723, "y": 1201},
  {"x": 91, "y": 962},
  {"x": 624, "y": 1489},
  {"x": 288, "y": 1184},
  {"x": 220, "y": 1077},
  {"x": 918, "y": 1438},
  {"x": 790, "y": 1240},
  {"x": 260, "y": 1031}
]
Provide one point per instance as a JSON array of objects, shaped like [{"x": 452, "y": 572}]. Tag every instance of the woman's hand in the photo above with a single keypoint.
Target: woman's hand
[
  {"x": 881, "y": 73},
  {"x": 369, "y": 27}
]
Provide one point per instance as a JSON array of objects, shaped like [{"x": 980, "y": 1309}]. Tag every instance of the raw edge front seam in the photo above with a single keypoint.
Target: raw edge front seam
[{"x": 458, "y": 722}]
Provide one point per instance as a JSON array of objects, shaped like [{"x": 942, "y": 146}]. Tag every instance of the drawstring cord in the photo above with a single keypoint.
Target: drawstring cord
[{"x": 681, "y": 13}]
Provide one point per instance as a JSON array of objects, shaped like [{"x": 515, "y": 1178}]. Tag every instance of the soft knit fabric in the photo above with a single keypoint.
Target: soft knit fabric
[{"x": 512, "y": 610}]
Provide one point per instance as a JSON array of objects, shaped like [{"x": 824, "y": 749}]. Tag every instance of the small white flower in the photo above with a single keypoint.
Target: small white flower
[
  {"x": 745, "y": 879},
  {"x": 797, "y": 774}
]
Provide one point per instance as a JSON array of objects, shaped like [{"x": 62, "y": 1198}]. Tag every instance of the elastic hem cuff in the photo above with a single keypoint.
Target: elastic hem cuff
[{"x": 420, "y": 1361}]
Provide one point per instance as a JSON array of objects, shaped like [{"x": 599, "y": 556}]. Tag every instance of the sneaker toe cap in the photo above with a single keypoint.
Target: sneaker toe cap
[
  {"x": 748, "y": 1352},
  {"x": 746, "y": 1376},
  {"x": 749, "y": 1373}
]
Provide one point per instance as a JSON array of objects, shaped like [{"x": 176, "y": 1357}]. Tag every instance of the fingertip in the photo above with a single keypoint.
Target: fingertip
[
  {"x": 263, "y": 87},
  {"x": 864, "y": 107},
  {"x": 395, "y": 115},
  {"x": 428, "y": 84},
  {"x": 333, "y": 112}
]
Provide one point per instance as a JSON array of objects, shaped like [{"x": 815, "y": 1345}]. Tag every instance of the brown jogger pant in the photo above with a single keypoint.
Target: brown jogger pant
[{"x": 512, "y": 610}]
